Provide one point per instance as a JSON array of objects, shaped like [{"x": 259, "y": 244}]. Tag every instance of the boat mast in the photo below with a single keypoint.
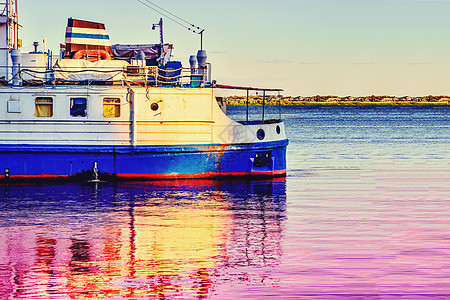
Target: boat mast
[
  {"x": 161, "y": 45},
  {"x": 13, "y": 24},
  {"x": 9, "y": 34},
  {"x": 201, "y": 39}
]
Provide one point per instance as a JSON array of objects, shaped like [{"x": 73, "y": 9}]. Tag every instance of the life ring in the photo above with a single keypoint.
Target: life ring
[{"x": 103, "y": 54}]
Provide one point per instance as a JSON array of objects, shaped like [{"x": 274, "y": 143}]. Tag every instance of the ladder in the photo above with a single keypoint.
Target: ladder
[{"x": 9, "y": 16}]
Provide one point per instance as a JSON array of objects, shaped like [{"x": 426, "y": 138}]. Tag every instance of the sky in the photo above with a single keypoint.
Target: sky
[{"x": 305, "y": 47}]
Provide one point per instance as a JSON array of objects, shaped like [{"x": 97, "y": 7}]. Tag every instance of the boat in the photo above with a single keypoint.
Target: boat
[{"x": 104, "y": 111}]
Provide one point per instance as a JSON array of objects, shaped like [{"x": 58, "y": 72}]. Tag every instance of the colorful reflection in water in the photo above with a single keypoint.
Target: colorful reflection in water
[
  {"x": 137, "y": 240},
  {"x": 367, "y": 217}
]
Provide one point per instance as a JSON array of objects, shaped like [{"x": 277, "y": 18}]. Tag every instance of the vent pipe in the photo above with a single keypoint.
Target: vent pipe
[
  {"x": 193, "y": 64},
  {"x": 36, "y": 45},
  {"x": 201, "y": 58},
  {"x": 16, "y": 57}
]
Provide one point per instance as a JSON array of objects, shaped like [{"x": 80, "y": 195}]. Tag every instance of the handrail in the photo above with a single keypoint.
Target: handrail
[
  {"x": 264, "y": 90},
  {"x": 232, "y": 87},
  {"x": 149, "y": 75}
]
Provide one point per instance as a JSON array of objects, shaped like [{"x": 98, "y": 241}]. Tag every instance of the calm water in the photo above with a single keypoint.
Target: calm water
[{"x": 364, "y": 213}]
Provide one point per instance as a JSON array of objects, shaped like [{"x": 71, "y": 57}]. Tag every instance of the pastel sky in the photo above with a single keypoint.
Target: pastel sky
[{"x": 306, "y": 47}]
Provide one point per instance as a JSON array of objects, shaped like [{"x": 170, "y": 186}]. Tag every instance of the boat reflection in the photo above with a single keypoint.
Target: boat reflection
[{"x": 131, "y": 240}]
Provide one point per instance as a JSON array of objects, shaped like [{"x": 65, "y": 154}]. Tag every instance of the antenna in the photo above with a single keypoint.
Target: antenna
[
  {"x": 201, "y": 39},
  {"x": 174, "y": 18}
]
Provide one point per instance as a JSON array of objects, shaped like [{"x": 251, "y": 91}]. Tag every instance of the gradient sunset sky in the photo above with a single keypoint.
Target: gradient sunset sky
[{"x": 306, "y": 47}]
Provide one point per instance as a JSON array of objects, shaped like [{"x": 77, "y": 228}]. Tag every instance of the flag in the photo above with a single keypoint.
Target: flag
[{"x": 86, "y": 35}]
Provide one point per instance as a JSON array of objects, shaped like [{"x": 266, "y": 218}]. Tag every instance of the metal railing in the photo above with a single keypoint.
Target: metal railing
[{"x": 129, "y": 75}]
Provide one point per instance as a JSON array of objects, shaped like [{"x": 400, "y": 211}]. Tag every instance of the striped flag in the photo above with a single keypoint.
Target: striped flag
[{"x": 86, "y": 35}]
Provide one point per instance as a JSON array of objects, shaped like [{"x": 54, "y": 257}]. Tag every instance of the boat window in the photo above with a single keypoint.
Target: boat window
[
  {"x": 78, "y": 107},
  {"x": 44, "y": 107},
  {"x": 111, "y": 107}
]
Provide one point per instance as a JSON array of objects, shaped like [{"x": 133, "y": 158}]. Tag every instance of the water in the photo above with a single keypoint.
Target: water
[{"x": 363, "y": 214}]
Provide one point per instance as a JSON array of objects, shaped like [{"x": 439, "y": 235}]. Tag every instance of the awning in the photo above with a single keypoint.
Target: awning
[{"x": 130, "y": 51}]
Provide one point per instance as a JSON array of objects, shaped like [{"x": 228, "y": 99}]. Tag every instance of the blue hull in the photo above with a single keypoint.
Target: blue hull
[{"x": 28, "y": 162}]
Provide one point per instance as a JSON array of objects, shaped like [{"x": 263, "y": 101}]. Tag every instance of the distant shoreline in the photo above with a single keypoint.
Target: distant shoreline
[{"x": 333, "y": 100}]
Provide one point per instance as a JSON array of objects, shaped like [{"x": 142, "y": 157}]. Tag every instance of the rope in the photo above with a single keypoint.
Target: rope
[
  {"x": 170, "y": 13},
  {"x": 167, "y": 13}
]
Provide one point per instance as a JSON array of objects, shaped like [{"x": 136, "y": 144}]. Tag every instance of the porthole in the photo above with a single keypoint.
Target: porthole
[
  {"x": 260, "y": 134},
  {"x": 278, "y": 129},
  {"x": 154, "y": 106}
]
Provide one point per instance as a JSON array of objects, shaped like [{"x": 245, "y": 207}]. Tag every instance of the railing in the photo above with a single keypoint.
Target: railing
[
  {"x": 128, "y": 75},
  {"x": 185, "y": 77},
  {"x": 248, "y": 89}
]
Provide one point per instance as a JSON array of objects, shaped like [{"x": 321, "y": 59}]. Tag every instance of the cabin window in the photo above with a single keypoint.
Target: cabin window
[
  {"x": 78, "y": 107},
  {"x": 111, "y": 107},
  {"x": 44, "y": 107}
]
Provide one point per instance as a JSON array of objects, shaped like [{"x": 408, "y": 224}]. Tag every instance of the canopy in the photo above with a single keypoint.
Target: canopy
[{"x": 130, "y": 51}]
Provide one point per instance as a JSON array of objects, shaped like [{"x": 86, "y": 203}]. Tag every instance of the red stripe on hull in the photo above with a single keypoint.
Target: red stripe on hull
[
  {"x": 202, "y": 175},
  {"x": 276, "y": 173}
]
